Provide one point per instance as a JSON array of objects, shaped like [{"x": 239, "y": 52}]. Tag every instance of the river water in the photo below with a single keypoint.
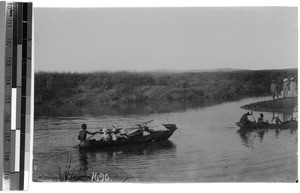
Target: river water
[{"x": 207, "y": 147}]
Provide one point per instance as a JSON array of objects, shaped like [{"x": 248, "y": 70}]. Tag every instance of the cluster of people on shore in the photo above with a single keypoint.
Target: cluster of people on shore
[{"x": 289, "y": 88}]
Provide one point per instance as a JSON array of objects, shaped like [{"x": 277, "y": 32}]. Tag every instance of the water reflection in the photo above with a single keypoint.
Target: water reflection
[
  {"x": 120, "y": 109},
  {"x": 83, "y": 160},
  {"x": 248, "y": 136},
  {"x": 261, "y": 134},
  {"x": 277, "y": 131},
  {"x": 205, "y": 149},
  {"x": 291, "y": 131},
  {"x": 87, "y": 156}
]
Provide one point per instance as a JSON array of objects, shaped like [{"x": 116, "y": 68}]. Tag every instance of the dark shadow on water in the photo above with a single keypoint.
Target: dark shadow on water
[
  {"x": 68, "y": 110},
  {"x": 261, "y": 134},
  {"x": 89, "y": 155},
  {"x": 83, "y": 160},
  {"x": 136, "y": 149},
  {"x": 248, "y": 136}
]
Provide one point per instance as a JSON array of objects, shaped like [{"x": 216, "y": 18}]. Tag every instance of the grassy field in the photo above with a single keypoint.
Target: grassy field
[{"x": 58, "y": 90}]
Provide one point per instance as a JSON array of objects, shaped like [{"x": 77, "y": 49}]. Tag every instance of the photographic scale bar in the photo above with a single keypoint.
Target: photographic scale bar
[{"x": 17, "y": 95}]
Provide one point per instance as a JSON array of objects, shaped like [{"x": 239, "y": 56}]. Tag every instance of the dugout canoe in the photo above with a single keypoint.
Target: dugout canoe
[
  {"x": 139, "y": 139},
  {"x": 284, "y": 125}
]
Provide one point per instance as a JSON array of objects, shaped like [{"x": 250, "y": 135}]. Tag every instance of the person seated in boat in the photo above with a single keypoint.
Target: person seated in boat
[
  {"x": 82, "y": 134},
  {"x": 146, "y": 131},
  {"x": 121, "y": 134},
  {"x": 244, "y": 119},
  {"x": 261, "y": 120},
  {"x": 114, "y": 135},
  {"x": 276, "y": 120},
  {"x": 106, "y": 135}
]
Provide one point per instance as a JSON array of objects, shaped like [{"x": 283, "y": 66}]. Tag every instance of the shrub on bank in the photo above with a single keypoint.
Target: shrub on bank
[{"x": 53, "y": 89}]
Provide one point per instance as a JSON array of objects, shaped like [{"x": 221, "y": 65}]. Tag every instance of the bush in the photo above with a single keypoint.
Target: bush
[{"x": 53, "y": 90}]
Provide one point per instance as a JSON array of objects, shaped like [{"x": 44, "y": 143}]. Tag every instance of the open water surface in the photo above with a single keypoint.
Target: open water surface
[{"x": 207, "y": 147}]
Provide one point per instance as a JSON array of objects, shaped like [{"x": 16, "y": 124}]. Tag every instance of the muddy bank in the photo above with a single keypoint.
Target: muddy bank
[{"x": 283, "y": 104}]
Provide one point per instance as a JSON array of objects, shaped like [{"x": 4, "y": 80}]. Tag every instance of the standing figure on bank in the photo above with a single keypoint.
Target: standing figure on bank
[
  {"x": 274, "y": 89},
  {"x": 285, "y": 88},
  {"x": 293, "y": 88}
]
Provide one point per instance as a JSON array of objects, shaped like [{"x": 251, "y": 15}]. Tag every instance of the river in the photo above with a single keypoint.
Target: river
[{"x": 207, "y": 147}]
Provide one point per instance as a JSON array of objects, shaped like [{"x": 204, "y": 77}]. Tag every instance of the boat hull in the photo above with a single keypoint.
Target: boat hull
[
  {"x": 140, "y": 139},
  {"x": 253, "y": 126}
]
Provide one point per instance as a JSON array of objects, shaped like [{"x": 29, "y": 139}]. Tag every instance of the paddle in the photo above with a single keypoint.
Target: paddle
[
  {"x": 76, "y": 146},
  {"x": 255, "y": 122},
  {"x": 146, "y": 122},
  {"x": 92, "y": 135}
]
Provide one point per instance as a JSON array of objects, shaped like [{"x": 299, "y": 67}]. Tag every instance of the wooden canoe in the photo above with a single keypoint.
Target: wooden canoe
[
  {"x": 284, "y": 125},
  {"x": 139, "y": 139}
]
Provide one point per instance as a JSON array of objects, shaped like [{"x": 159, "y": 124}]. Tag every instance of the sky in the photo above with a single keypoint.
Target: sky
[{"x": 146, "y": 39}]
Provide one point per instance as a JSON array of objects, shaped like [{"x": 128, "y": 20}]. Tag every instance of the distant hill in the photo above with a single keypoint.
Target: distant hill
[
  {"x": 201, "y": 70},
  {"x": 221, "y": 70}
]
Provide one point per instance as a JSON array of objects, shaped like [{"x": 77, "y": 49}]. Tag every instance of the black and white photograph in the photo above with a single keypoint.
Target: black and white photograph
[{"x": 165, "y": 94}]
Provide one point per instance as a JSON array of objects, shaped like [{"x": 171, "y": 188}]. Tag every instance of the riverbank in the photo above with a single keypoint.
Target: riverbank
[
  {"x": 277, "y": 105},
  {"x": 73, "y": 91},
  {"x": 203, "y": 132}
]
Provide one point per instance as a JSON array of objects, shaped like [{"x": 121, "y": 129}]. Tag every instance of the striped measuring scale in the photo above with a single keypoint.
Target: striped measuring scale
[{"x": 17, "y": 108}]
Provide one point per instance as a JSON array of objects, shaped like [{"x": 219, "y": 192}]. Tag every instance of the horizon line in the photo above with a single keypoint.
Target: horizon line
[{"x": 167, "y": 70}]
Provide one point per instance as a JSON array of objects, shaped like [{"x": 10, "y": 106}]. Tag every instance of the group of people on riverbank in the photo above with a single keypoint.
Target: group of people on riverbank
[{"x": 289, "y": 88}]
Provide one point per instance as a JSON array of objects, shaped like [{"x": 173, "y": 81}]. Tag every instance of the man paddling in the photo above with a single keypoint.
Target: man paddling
[
  {"x": 84, "y": 132},
  {"x": 244, "y": 119}
]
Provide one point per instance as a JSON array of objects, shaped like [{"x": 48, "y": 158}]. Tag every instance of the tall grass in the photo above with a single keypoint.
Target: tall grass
[
  {"x": 69, "y": 174},
  {"x": 71, "y": 90}
]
